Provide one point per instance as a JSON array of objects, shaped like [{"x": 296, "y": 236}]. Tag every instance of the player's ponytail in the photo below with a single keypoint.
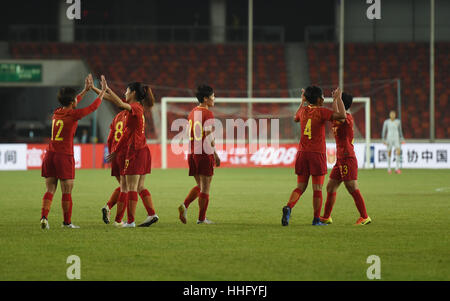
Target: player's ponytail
[
  {"x": 149, "y": 99},
  {"x": 144, "y": 94}
]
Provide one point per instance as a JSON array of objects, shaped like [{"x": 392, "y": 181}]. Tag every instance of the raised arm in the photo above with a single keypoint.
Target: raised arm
[
  {"x": 80, "y": 113},
  {"x": 338, "y": 105},
  {"x": 87, "y": 87},
  {"x": 97, "y": 90},
  {"x": 302, "y": 103}
]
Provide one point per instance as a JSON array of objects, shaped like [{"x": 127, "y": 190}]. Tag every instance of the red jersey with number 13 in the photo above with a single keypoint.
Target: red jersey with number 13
[
  {"x": 312, "y": 125},
  {"x": 343, "y": 133}
]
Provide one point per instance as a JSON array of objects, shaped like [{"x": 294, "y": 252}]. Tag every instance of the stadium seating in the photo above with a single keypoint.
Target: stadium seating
[
  {"x": 174, "y": 69},
  {"x": 368, "y": 69}
]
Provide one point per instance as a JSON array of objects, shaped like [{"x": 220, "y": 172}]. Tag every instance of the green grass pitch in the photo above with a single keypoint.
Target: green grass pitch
[{"x": 410, "y": 229}]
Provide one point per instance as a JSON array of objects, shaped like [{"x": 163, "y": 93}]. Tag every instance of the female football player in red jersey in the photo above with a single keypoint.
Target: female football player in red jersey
[
  {"x": 119, "y": 195},
  {"x": 311, "y": 157},
  {"x": 202, "y": 156},
  {"x": 137, "y": 157},
  {"x": 346, "y": 167},
  {"x": 59, "y": 163}
]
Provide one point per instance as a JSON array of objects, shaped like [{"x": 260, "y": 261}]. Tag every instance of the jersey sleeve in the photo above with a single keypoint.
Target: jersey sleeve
[
  {"x": 383, "y": 132},
  {"x": 327, "y": 114},
  {"x": 400, "y": 132},
  {"x": 136, "y": 109},
  {"x": 123, "y": 140},
  {"x": 80, "y": 113},
  {"x": 209, "y": 119},
  {"x": 297, "y": 114}
]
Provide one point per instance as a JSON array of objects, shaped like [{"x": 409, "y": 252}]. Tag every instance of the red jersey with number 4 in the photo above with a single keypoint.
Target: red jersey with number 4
[
  {"x": 133, "y": 137},
  {"x": 198, "y": 125},
  {"x": 116, "y": 129},
  {"x": 64, "y": 125},
  {"x": 343, "y": 133},
  {"x": 312, "y": 125}
]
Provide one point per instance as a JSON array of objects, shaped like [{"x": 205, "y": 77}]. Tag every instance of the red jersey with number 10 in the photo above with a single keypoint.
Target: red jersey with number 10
[
  {"x": 312, "y": 125},
  {"x": 343, "y": 133},
  {"x": 64, "y": 125}
]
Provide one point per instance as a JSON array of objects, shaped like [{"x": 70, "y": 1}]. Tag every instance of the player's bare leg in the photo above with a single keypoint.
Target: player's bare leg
[
  {"x": 332, "y": 187},
  {"x": 352, "y": 188},
  {"x": 66, "y": 189},
  {"x": 203, "y": 199},
  {"x": 302, "y": 184},
  {"x": 132, "y": 185},
  {"x": 193, "y": 194},
  {"x": 389, "y": 161},
  {"x": 51, "y": 184},
  {"x": 121, "y": 202},
  {"x": 106, "y": 210},
  {"x": 397, "y": 160},
  {"x": 317, "y": 199},
  {"x": 148, "y": 204}
]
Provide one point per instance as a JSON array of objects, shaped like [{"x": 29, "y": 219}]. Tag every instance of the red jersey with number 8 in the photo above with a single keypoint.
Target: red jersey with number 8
[
  {"x": 133, "y": 137},
  {"x": 198, "y": 125},
  {"x": 116, "y": 129},
  {"x": 312, "y": 125}
]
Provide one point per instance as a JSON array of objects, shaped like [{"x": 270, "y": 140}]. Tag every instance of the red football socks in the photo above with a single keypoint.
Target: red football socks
[
  {"x": 147, "y": 200},
  {"x": 317, "y": 202},
  {"x": 132, "y": 202},
  {"x": 193, "y": 194},
  {"x": 67, "y": 207},
  {"x": 295, "y": 195},
  {"x": 203, "y": 201},
  {"x": 46, "y": 204},
  {"x": 331, "y": 199},
  {"x": 121, "y": 206},
  {"x": 359, "y": 202},
  {"x": 114, "y": 197}
]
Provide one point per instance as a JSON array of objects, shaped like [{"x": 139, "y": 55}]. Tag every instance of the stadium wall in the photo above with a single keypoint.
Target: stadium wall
[{"x": 414, "y": 155}]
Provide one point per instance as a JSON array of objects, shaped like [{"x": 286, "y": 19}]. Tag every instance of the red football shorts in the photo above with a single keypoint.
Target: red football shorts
[
  {"x": 201, "y": 165},
  {"x": 138, "y": 162},
  {"x": 117, "y": 165},
  {"x": 57, "y": 165},
  {"x": 310, "y": 164},
  {"x": 345, "y": 169}
]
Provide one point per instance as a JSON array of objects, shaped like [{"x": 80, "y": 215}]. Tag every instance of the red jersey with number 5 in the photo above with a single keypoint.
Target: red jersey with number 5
[
  {"x": 343, "y": 133},
  {"x": 133, "y": 137},
  {"x": 64, "y": 125},
  {"x": 312, "y": 126},
  {"x": 198, "y": 126}
]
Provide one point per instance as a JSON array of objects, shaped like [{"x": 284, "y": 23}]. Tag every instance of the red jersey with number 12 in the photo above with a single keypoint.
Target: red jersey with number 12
[
  {"x": 312, "y": 125},
  {"x": 197, "y": 128},
  {"x": 343, "y": 133},
  {"x": 64, "y": 125}
]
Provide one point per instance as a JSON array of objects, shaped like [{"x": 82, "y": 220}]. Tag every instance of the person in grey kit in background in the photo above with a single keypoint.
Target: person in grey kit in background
[{"x": 392, "y": 137}]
